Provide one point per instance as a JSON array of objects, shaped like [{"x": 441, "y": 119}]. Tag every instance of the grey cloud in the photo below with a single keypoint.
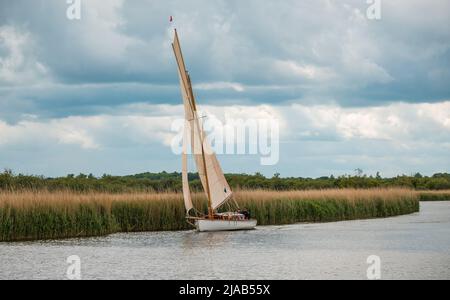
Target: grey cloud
[{"x": 404, "y": 56}]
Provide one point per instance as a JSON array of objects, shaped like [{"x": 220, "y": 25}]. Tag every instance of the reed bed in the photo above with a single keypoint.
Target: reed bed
[
  {"x": 443, "y": 195},
  {"x": 55, "y": 215}
]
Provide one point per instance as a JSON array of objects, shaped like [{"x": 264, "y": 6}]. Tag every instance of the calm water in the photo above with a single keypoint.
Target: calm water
[{"x": 410, "y": 247}]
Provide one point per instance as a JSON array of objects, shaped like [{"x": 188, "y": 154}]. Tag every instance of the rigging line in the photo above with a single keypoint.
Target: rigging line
[
  {"x": 197, "y": 212},
  {"x": 224, "y": 201},
  {"x": 235, "y": 202},
  {"x": 198, "y": 118}
]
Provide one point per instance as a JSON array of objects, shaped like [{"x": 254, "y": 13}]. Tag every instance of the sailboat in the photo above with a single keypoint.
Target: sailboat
[{"x": 215, "y": 185}]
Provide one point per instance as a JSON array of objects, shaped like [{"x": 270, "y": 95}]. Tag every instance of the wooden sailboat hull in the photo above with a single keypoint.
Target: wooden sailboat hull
[{"x": 205, "y": 225}]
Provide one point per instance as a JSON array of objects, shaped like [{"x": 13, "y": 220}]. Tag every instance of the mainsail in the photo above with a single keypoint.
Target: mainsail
[{"x": 211, "y": 175}]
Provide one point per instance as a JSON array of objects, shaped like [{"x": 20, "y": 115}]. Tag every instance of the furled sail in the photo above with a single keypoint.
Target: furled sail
[
  {"x": 184, "y": 174},
  {"x": 211, "y": 175}
]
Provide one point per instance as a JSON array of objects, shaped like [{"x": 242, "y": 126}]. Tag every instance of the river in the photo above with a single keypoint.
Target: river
[{"x": 415, "y": 246}]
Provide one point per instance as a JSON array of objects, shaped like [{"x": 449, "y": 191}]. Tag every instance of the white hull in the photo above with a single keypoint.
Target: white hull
[{"x": 224, "y": 225}]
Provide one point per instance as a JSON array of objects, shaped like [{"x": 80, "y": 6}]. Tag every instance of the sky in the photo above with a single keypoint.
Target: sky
[{"x": 100, "y": 94}]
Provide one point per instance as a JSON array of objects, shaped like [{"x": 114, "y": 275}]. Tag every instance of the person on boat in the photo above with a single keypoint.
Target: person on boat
[{"x": 246, "y": 213}]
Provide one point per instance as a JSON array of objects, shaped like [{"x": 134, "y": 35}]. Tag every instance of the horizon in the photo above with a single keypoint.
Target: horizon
[{"x": 279, "y": 175}]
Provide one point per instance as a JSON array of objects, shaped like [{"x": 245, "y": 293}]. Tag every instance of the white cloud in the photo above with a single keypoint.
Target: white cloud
[
  {"x": 237, "y": 87},
  {"x": 17, "y": 64},
  {"x": 101, "y": 37},
  {"x": 93, "y": 132},
  {"x": 291, "y": 68},
  {"x": 146, "y": 124},
  {"x": 398, "y": 122},
  {"x": 70, "y": 131},
  {"x": 315, "y": 140}
]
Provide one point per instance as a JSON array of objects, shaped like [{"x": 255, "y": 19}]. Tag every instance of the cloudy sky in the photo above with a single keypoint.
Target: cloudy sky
[{"x": 99, "y": 94}]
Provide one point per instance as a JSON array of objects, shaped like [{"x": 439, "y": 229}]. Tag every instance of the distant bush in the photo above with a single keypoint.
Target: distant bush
[{"x": 162, "y": 182}]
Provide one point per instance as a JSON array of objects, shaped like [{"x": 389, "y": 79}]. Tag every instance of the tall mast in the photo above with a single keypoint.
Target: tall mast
[{"x": 208, "y": 191}]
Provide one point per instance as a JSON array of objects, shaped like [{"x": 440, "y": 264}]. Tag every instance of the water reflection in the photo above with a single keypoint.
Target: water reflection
[{"x": 212, "y": 240}]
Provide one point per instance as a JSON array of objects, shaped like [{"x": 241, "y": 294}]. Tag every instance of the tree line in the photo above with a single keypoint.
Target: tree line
[{"x": 163, "y": 181}]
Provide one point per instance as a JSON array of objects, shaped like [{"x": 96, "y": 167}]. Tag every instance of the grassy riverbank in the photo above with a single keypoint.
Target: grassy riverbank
[
  {"x": 54, "y": 215},
  {"x": 434, "y": 195}
]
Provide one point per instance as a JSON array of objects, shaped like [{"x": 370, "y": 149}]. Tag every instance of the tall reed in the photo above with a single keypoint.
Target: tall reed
[
  {"x": 443, "y": 195},
  {"x": 327, "y": 205},
  {"x": 54, "y": 215}
]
